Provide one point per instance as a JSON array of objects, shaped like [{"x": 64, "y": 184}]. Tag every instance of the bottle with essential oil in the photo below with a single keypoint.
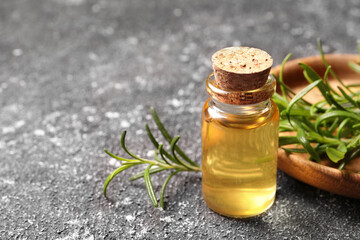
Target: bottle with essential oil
[{"x": 240, "y": 133}]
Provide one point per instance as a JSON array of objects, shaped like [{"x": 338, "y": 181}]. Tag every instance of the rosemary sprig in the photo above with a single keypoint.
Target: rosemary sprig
[
  {"x": 163, "y": 160},
  {"x": 330, "y": 127}
]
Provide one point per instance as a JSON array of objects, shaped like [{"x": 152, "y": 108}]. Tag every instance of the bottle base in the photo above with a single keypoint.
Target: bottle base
[
  {"x": 240, "y": 216},
  {"x": 244, "y": 204}
]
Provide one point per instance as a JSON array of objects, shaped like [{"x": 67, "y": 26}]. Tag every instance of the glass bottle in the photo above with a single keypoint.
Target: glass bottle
[{"x": 239, "y": 145}]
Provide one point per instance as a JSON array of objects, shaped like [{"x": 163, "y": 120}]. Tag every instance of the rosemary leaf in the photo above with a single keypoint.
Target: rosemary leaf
[
  {"x": 294, "y": 150},
  {"x": 327, "y": 82},
  {"x": 151, "y": 136},
  {"x": 173, "y": 148},
  {"x": 335, "y": 155},
  {"x": 114, "y": 173},
  {"x": 355, "y": 67},
  {"x": 149, "y": 186},
  {"x": 151, "y": 171},
  {"x": 162, "y": 192},
  {"x": 353, "y": 155},
  {"x": 327, "y": 65},
  {"x": 167, "y": 136},
  {"x": 157, "y": 145},
  {"x": 355, "y": 104},
  {"x": 282, "y": 87},
  {"x": 156, "y": 156},
  {"x": 162, "y": 152},
  {"x": 122, "y": 142},
  {"x": 119, "y": 158},
  {"x": 306, "y": 144},
  {"x": 335, "y": 114},
  {"x": 300, "y": 95},
  {"x": 341, "y": 127},
  {"x": 286, "y": 140}
]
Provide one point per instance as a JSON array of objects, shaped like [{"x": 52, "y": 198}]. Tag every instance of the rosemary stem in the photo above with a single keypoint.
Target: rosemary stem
[{"x": 173, "y": 166}]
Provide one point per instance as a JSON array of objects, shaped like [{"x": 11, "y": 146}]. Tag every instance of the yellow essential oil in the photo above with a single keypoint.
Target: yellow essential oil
[{"x": 239, "y": 149}]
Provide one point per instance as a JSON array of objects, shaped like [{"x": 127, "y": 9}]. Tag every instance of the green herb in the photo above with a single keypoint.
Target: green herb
[
  {"x": 329, "y": 127},
  {"x": 163, "y": 160}
]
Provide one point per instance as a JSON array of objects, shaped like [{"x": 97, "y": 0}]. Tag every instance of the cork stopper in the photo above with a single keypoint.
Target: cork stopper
[
  {"x": 241, "y": 68},
  {"x": 241, "y": 76}
]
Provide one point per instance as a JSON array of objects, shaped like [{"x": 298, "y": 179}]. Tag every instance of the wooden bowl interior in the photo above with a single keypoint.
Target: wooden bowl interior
[{"x": 293, "y": 74}]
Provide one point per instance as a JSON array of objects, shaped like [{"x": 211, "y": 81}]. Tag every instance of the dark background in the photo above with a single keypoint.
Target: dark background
[{"x": 75, "y": 73}]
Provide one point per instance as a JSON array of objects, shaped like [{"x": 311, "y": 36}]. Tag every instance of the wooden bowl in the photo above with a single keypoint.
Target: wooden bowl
[{"x": 321, "y": 175}]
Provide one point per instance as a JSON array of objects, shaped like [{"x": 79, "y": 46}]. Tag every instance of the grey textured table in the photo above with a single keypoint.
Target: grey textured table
[{"x": 75, "y": 73}]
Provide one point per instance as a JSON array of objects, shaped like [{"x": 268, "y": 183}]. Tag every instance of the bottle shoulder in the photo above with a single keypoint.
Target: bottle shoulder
[{"x": 245, "y": 121}]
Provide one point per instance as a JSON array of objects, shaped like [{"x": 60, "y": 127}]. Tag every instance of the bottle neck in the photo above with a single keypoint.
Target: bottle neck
[{"x": 249, "y": 111}]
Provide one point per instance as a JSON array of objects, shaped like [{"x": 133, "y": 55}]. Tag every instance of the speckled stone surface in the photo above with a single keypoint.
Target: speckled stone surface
[{"x": 75, "y": 73}]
